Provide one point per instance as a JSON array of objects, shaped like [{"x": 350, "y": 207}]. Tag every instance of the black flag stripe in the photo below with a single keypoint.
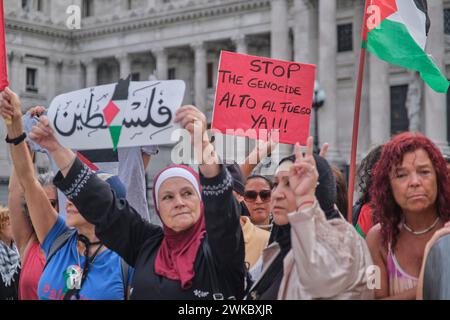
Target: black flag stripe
[{"x": 422, "y": 5}]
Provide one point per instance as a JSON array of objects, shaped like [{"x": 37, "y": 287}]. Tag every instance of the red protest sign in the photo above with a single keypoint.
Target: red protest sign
[
  {"x": 3, "y": 68},
  {"x": 256, "y": 95}
]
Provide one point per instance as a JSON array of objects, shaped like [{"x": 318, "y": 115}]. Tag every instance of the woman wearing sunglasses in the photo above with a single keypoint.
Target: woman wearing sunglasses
[{"x": 257, "y": 195}]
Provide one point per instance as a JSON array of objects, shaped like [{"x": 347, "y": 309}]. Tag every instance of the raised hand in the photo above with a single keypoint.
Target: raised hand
[
  {"x": 264, "y": 148},
  {"x": 303, "y": 174},
  {"x": 10, "y": 106},
  {"x": 44, "y": 135},
  {"x": 324, "y": 150}
]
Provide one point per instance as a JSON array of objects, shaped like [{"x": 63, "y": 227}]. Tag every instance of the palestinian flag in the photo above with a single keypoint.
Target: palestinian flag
[
  {"x": 3, "y": 69},
  {"x": 113, "y": 112},
  {"x": 396, "y": 32}
]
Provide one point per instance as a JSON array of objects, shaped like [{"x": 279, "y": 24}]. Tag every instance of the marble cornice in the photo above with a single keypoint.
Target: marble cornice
[
  {"x": 154, "y": 19},
  {"x": 133, "y": 21},
  {"x": 48, "y": 30}
]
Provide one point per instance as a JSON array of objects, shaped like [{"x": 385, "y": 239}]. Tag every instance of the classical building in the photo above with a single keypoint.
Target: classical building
[{"x": 182, "y": 39}]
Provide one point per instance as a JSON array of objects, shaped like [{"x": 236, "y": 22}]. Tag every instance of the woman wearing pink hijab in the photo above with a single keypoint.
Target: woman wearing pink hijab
[{"x": 201, "y": 237}]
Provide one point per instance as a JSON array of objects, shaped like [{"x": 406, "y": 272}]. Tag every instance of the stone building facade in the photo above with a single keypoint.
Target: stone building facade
[{"x": 182, "y": 39}]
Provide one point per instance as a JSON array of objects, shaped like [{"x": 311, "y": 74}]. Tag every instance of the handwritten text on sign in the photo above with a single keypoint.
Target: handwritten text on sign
[
  {"x": 126, "y": 114},
  {"x": 256, "y": 94}
]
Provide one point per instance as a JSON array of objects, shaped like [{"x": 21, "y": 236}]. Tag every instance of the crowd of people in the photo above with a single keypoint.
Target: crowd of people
[{"x": 226, "y": 232}]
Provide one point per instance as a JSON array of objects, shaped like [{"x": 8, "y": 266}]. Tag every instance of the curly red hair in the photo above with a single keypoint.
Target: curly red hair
[{"x": 386, "y": 209}]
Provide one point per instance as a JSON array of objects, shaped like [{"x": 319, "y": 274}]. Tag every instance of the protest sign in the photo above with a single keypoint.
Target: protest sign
[
  {"x": 126, "y": 114},
  {"x": 256, "y": 95}
]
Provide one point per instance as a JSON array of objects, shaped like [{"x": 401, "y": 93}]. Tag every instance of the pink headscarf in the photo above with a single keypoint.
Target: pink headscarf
[{"x": 176, "y": 255}]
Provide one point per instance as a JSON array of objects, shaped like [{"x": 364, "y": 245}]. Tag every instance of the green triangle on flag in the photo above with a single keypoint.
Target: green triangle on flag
[{"x": 115, "y": 135}]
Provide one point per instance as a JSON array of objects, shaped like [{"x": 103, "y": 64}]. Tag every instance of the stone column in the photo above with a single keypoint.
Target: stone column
[
  {"x": 200, "y": 75},
  {"x": 379, "y": 101},
  {"x": 435, "y": 103},
  {"x": 279, "y": 36},
  {"x": 302, "y": 9},
  {"x": 15, "y": 76},
  {"x": 125, "y": 65},
  {"x": 161, "y": 63},
  {"x": 280, "y": 45},
  {"x": 327, "y": 76},
  {"x": 91, "y": 72},
  {"x": 240, "y": 42}
]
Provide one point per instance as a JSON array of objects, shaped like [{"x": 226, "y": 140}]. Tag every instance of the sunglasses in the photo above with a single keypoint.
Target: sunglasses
[{"x": 251, "y": 196}]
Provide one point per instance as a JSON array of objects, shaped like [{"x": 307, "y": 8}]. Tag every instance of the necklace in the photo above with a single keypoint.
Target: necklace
[{"x": 422, "y": 232}]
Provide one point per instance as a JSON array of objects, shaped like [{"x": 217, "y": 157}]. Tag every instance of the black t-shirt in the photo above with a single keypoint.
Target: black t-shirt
[{"x": 10, "y": 292}]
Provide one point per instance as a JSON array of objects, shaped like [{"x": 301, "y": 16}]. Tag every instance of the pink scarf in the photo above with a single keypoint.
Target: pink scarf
[{"x": 176, "y": 255}]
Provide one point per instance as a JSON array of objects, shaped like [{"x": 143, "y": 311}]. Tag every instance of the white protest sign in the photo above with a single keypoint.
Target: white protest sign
[{"x": 124, "y": 114}]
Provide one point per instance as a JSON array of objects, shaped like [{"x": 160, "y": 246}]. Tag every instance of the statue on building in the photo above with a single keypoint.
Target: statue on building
[{"x": 414, "y": 101}]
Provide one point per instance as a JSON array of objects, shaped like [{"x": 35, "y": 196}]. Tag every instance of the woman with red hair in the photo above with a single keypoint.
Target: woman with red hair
[{"x": 410, "y": 193}]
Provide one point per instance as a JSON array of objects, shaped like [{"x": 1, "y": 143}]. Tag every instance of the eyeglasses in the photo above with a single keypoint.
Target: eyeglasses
[
  {"x": 251, "y": 196},
  {"x": 54, "y": 203}
]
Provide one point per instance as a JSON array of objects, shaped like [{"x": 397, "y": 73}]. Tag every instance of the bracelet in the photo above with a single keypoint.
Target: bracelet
[{"x": 17, "y": 140}]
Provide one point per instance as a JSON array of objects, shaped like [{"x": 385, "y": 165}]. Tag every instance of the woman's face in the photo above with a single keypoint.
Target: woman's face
[
  {"x": 257, "y": 199},
  {"x": 414, "y": 182},
  {"x": 178, "y": 204},
  {"x": 283, "y": 197},
  {"x": 73, "y": 217}
]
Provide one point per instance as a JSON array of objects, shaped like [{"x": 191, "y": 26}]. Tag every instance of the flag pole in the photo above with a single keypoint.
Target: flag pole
[
  {"x": 359, "y": 86},
  {"x": 3, "y": 56},
  {"x": 351, "y": 184}
]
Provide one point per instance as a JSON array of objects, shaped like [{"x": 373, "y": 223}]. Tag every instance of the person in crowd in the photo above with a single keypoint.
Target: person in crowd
[
  {"x": 201, "y": 236},
  {"x": 81, "y": 266},
  {"x": 9, "y": 259},
  {"x": 315, "y": 255},
  {"x": 410, "y": 193},
  {"x": 363, "y": 219},
  {"x": 257, "y": 195},
  {"x": 341, "y": 190},
  {"x": 255, "y": 239},
  {"x": 32, "y": 257}
]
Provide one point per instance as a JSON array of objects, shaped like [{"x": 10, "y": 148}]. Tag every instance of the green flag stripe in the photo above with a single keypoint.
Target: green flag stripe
[
  {"x": 115, "y": 135},
  {"x": 392, "y": 43}
]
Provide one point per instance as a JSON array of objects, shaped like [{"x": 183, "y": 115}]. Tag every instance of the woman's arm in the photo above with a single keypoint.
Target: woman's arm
[
  {"x": 117, "y": 224},
  {"x": 42, "y": 214},
  {"x": 22, "y": 229},
  {"x": 262, "y": 149}
]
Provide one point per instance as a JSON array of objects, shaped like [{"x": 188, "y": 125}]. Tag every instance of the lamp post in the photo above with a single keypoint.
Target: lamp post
[{"x": 318, "y": 101}]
